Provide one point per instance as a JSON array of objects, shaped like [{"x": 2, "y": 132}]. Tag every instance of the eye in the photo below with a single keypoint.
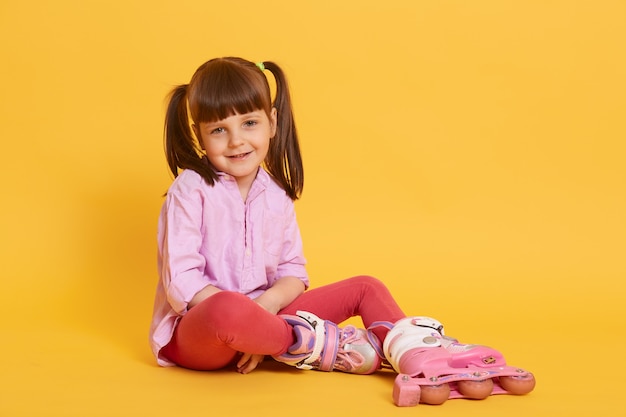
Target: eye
[
  {"x": 217, "y": 130},
  {"x": 250, "y": 123}
]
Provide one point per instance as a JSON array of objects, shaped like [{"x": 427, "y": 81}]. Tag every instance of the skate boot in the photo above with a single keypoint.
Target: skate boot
[
  {"x": 322, "y": 345},
  {"x": 433, "y": 368}
]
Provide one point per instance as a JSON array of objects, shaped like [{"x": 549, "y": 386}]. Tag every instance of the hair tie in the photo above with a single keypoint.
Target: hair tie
[{"x": 261, "y": 66}]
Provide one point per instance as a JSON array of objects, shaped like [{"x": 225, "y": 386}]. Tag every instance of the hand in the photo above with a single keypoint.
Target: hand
[
  {"x": 267, "y": 303},
  {"x": 248, "y": 362},
  {"x": 281, "y": 294}
]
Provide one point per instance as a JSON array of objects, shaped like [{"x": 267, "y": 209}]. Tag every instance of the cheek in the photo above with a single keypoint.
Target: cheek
[
  {"x": 264, "y": 147},
  {"x": 213, "y": 148},
  {"x": 265, "y": 141}
]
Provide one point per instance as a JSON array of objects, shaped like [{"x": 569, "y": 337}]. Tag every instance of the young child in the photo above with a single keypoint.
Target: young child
[
  {"x": 232, "y": 271},
  {"x": 230, "y": 252}
]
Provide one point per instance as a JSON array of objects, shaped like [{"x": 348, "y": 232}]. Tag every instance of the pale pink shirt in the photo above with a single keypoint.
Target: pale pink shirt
[{"x": 209, "y": 235}]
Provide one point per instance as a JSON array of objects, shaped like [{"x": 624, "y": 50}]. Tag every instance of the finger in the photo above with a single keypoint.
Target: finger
[
  {"x": 250, "y": 366},
  {"x": 245, "y": 358},
  {"x": 254, "y": 361},
  {"x": 247, "y": 369}
]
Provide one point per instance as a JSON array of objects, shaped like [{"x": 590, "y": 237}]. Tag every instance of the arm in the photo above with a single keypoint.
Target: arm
[
  {"x": 202, "y": 295},
  {"x": 180, "y": 239},
  {"x": 281, "y": 294}
]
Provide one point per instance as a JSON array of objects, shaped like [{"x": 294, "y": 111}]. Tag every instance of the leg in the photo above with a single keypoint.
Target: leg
[
  {"x": 358, "y": 296},
  {"x": 211, "y": 334},
  {"x": 321, "y": 345}
]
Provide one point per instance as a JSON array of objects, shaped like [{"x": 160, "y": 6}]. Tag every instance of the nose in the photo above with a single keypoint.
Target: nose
[{"x": 235, "y": 139}]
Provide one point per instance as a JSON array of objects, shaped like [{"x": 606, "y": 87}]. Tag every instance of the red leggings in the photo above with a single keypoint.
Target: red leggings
[{"x": 212, "y": 333}]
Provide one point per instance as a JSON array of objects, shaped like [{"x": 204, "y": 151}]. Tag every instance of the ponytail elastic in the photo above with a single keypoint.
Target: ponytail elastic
[{"x": 261, "y": 66}]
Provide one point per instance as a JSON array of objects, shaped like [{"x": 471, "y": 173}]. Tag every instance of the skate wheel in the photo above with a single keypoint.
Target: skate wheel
[
  {"x": 476, "y": 390},
  {"x": 435, "y": 394},
  {"x": 518, "y": 385}
]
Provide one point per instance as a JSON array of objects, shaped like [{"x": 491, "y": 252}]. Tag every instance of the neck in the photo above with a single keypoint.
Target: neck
[{"x": 245, "y": 184}]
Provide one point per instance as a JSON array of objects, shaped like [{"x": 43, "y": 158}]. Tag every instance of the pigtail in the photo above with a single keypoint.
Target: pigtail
[
  {"x": 284, "y": 161},
  {"x": 181, "y": 149}
]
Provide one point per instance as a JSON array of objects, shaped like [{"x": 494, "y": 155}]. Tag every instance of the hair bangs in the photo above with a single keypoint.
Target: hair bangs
[{"x": 223, "y": 89}]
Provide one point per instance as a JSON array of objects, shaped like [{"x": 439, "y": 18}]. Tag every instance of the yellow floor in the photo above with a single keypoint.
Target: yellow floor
[{"x": 68, "y": 369}]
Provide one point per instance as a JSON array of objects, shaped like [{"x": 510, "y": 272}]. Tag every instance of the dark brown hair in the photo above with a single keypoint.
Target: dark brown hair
[{"x": 223, "y": 87}]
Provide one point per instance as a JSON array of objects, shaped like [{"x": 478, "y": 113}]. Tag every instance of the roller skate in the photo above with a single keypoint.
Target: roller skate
[
  {"x": 433, "y": 367},
  {"x": 322, "y": 345}
]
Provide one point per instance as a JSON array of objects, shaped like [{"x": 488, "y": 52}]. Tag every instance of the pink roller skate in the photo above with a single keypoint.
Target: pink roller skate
[
  {"x": 434, "y": 368},
  {"x": 321, "y": 345}
]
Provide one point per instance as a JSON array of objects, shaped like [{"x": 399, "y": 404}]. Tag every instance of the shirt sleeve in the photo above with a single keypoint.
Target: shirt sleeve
[
  {"x": 292, "y": 261},
  {"x": 182, "y": 264}
]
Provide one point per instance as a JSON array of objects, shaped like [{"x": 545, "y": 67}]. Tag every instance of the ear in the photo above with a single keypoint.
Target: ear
[
  {"x": 196, "y": 131},
  {"x": 273, "y": 121}
]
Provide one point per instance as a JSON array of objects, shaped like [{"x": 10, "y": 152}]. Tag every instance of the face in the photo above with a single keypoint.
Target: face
[{"x": 238, "y": 144}]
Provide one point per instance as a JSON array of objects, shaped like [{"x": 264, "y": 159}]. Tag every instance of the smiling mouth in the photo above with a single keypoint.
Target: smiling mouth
[{"x": 239, "y": 156}]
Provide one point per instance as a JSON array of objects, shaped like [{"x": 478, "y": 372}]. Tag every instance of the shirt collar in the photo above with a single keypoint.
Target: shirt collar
[
  {"x": 260, "y": 183},
  {"x": 262, "y": 176}
]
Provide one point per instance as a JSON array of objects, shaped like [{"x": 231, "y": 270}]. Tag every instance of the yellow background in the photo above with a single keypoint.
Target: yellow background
[{"x": 468, "y": 153}]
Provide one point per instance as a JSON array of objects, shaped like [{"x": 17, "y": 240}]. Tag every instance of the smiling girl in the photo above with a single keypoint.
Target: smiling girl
[
  {"x": 232, "y": 272},
  {"x": 231, "y": 265}
]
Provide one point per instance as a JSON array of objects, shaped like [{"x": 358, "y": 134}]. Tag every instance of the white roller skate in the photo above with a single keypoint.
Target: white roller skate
[
  {"x": 322, "y": 345},
  {"x": 433, "y": 368}
]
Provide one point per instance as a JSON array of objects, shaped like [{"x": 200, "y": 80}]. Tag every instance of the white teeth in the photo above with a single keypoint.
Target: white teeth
[{"x": 239, "y": 155}]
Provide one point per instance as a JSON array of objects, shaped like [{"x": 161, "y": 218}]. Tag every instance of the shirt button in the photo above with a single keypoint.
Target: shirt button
[{"x": 247, "y": 252}]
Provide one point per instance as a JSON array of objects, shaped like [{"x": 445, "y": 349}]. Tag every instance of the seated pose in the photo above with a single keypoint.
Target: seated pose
[{"x": 232, "y": 270}]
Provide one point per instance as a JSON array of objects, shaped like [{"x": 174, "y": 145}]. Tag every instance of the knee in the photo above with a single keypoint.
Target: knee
[
  {"x": 225, "y": 300},
  {"x": 221, "y": 306},
  {"x": 369, "y": 282}
]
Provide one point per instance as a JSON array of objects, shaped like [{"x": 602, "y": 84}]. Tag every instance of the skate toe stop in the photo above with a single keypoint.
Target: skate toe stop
[{"x": 406, "y": 391}]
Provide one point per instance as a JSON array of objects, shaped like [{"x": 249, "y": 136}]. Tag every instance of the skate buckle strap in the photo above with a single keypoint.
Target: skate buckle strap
[
  {"x": 331, "y": 346},
  {"x": 318, "y": 326},
  {"x": 374, "y": 341},
  {"x": 335, "y": 356}
]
